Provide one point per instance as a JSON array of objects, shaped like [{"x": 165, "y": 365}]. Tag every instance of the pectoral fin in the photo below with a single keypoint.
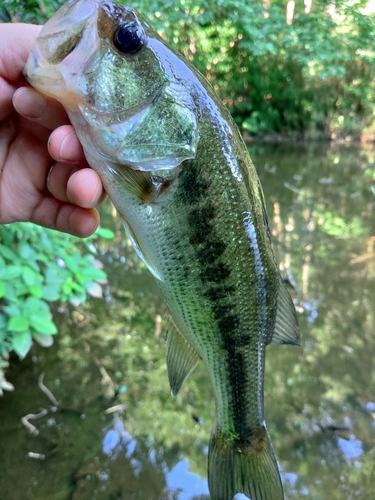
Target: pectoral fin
[
  {"x": 286, "y": 325},
  {"x": 181, "y": 357},
  {"x": 136, "y": 182}
]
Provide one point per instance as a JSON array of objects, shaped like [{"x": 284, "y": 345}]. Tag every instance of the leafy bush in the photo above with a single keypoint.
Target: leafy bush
[
  {"x": 313, "y": 76},
  {"x": 39, "y": 266}
]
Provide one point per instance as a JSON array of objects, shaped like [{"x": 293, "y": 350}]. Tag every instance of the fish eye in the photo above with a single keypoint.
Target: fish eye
[{"x": 128, "y": 38}]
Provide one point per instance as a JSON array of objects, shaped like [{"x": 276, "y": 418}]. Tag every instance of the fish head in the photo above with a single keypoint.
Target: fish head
[{"x": 118, "y": 81}]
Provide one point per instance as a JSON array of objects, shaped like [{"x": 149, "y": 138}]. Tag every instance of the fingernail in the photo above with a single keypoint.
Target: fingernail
[{"x": 70, "y": 148}]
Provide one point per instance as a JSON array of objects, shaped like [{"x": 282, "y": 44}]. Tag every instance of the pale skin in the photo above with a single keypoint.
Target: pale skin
[{"x": 35, "y": 135}]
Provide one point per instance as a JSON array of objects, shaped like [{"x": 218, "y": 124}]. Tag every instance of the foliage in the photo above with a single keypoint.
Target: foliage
[
  {"x": 37, "y": 267},
  {"x": 28, "y": 11},
  {"x": 312, "y": 76}
]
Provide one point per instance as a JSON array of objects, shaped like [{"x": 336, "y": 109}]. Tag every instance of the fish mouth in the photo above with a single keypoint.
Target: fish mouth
[{"x": 48, "y": 80}]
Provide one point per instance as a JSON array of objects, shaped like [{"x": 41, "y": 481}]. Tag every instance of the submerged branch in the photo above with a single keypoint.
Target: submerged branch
[
  {"x": 29, "y": 416},
  {"x": 46, "y": 391}
]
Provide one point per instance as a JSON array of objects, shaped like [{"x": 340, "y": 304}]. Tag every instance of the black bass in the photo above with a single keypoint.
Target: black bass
[{"x": 175, "y": 166}]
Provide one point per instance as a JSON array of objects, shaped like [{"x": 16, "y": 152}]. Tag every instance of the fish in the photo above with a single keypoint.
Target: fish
[{"x": 176, "y": 168}]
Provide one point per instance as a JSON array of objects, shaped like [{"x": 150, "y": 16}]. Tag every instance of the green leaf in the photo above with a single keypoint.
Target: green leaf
[
  {"x": 13, "y": 310},
  {"x": 51, "y": 292},
  {"x": 25, "y": 250},
  {"x": 43, "y": 340},
  {"x": 18, "y": 324},
  {"x": 9, "y": 253},
  {"x": 105, "y": 233},
  {"x": 2, "y": 289},
  {"x": 94, "y": 273},
  {"x": 35, "y": 306},
  {"x": 72, "y": 262},
  {"x": 43, "y": 325},
  {"x": 30, "y": 277},
  {"x": 36, "y": 291},
  {"x": 21, "y": 343},
  {"x": 10, "y": 272}
]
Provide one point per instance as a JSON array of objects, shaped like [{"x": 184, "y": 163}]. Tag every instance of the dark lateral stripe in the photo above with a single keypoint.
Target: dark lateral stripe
[{"x": 214, "y": 273}]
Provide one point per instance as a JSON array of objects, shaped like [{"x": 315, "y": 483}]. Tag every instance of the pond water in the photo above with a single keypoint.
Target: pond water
[{"x": 117, "y": 433}]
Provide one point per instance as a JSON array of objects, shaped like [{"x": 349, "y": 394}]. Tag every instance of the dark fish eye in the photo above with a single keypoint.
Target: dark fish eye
[{"x": 128, "y": 38}]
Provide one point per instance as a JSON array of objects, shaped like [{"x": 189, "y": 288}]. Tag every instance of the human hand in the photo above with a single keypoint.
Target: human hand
[{"x": 44, "y": 177}]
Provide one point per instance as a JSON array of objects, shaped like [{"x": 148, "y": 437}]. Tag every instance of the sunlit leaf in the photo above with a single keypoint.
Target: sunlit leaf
[
  {"x": 43, "y": 325},
  {"x": 21, "y": 343},
  {"x": 105, "y": 233},
  {"x": 18, "y": 324},
  {"x": 36, "y": 291}
]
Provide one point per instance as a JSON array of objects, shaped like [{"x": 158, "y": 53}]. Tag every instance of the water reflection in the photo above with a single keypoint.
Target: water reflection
[
  {"x": 136, "y": 441},
  {"x": 188, "y": 485},
  {"x": 116, "y": 439}
]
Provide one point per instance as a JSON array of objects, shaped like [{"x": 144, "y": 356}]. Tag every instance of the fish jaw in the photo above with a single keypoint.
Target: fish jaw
[
  {"x": 147, "y": 122},
  {"x": 50, "y": 64}
]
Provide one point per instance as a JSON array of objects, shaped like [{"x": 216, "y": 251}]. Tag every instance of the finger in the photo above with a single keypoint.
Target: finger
[
  {"x": 39, "y": 109},
  {"x": 16, "y": 41},
  {"x": 71, "y": 184},
  {"x": 67, "y": 218},
  {"x": 57, "y": 180},
  {"x": 64, "y": 146},
  {"x": 85, "y": 188}
]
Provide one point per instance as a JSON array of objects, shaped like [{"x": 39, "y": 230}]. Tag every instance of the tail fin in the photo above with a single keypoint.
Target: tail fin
[{"x": 252, "y": 469}]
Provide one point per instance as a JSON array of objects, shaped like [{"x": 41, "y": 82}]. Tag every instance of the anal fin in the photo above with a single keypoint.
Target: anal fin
[
  {"x": 181, "y": 357},
  {"x": 286, "y": 329}
]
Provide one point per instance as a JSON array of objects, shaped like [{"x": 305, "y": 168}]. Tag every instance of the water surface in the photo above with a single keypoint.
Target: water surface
[{"x": 117, "y": 433}]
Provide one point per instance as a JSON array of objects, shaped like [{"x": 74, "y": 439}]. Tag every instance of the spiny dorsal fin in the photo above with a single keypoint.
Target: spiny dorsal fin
[
  {"x": 181, "y": 357},
  {"x": 286, "y": 325}
]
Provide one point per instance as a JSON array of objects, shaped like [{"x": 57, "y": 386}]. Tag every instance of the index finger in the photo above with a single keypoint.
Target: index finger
[{"x": 39, "y": 109}]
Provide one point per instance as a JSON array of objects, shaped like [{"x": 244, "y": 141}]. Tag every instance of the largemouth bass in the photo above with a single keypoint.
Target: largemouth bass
[{"x": 174, "y": 164}]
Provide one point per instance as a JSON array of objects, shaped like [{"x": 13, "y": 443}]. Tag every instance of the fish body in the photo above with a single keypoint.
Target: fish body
[{"x": 174, "y": 164}]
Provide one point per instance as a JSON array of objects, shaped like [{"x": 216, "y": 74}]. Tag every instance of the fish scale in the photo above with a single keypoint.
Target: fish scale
[
  {"x": 223, "y": 292},
  {"x": 177, "y": 170}
]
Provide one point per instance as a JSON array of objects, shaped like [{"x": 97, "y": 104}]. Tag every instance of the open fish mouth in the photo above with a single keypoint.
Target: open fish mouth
[{"x": 49, "y": 80}]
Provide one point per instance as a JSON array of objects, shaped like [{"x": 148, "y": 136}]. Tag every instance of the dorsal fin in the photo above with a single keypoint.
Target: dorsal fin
[
  {"x": 181, "y": 357},
  {"x": 286, "y": 329}
]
